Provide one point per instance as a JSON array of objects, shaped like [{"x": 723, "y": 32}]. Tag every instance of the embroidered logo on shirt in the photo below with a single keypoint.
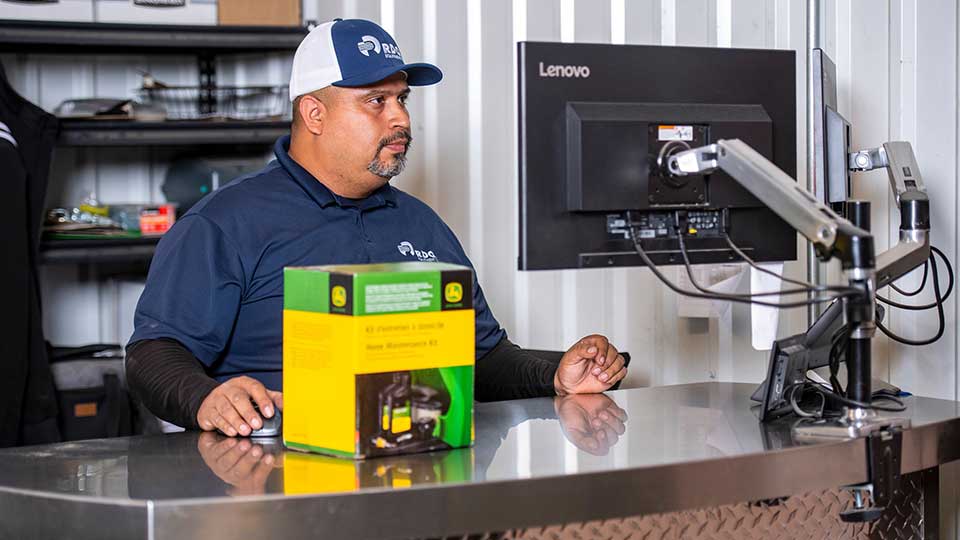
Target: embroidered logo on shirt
[{"x": 407, "y": 250}]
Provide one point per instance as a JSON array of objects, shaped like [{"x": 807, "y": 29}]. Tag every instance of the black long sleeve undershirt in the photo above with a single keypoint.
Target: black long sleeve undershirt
[
  {"x": 168, "y": 379},
  {"x": 172, "y": 383},
  {"x": 509, "y": 372}
]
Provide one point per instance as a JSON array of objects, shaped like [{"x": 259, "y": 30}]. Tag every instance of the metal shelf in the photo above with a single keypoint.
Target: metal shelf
[
  {"x": 204, "y": 42},
  {"x": 117, "y": 250},
  {"x": 173, "y": 133},
  {"x": 73, "y": 38}
]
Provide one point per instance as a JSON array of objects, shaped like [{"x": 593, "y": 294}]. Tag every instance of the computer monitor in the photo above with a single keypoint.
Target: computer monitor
[
  {"x": 791, "y": 358},
  {"x": 595, "y": 121},
  {"x": 831, "y": 136}
]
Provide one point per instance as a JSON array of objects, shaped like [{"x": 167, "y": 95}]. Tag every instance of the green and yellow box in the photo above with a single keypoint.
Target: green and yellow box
[{"x": 378, "y": 359}]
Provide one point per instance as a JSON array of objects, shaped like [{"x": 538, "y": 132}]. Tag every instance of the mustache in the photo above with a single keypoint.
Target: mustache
[{"x": 402, "y": 135}]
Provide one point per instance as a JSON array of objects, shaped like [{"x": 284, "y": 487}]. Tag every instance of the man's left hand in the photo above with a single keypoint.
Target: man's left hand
[{"x": 592, "y": 365}]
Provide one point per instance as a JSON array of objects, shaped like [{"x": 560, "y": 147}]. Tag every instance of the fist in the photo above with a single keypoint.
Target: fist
[{"x": 590, "y": 366}]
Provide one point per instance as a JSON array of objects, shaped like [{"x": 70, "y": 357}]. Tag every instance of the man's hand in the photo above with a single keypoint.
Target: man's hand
[
  {"x": 592, "y": 422},
  {"x": 228, "y": 406},
  {"x": 243, "y": 464},
  {"x": 592, "y": 365}
]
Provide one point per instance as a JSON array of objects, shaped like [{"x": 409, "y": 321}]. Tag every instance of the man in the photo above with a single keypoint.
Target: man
[{"x": 214, "y": 292}]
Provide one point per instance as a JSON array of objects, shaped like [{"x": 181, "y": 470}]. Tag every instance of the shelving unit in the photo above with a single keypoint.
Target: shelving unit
[
  {"x": 178, "y": 133},
  {"x": 87, "y": 38},
  {"x": 204, "y": 42},
  {"x": 117, "y": 250}
]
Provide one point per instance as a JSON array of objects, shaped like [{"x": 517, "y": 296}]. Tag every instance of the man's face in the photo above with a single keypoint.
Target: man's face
[{"x": 370, "y": 130}]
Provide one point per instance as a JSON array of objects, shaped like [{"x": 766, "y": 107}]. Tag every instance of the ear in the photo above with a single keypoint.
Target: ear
[{"x": 313, "y": 113}]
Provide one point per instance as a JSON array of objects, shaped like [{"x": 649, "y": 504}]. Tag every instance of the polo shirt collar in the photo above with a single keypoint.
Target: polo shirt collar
[{"x": 320, "y": 193}]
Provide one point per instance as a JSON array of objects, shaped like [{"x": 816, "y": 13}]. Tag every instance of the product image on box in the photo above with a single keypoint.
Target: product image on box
[
  {"x": 409, "y": 411},
  {"x": 378, "y": 360}
]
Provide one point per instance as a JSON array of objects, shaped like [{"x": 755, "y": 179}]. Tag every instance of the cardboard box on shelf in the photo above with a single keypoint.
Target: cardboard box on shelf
[
  {"x": 181, "y": 12},
  {"x": 378, "y": 359},
  {"x": 47, "y": 10},
  {"x": 259, "y": 13}
]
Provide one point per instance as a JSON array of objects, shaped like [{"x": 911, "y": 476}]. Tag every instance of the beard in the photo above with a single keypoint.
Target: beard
[{"x": 391, "y": 167}]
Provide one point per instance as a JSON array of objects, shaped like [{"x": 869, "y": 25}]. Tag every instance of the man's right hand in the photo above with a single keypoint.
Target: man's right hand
[{"x": 228, "y": 406}]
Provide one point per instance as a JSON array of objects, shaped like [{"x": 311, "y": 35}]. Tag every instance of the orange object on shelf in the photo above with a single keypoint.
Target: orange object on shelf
[{"x": 156, "y": 220}]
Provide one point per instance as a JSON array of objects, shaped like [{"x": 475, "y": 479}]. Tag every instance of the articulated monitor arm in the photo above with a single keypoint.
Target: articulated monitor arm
[
  {"x": 835, "y": 237},
  {"x": 832, "y": 235},
  {"x": 907, "y": 186}
]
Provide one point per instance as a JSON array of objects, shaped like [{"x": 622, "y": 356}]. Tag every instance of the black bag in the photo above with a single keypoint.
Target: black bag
[{"x": 91, "y": 391}]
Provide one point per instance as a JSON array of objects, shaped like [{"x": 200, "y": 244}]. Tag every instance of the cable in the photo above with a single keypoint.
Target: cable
[
  {"x": 940, "y": 316},
  {"x": 799, "y": 410},
  {"x": 923, "y": 282},
  {"x": 790, "y": 395},
  {"x": 753, "y": 264},
  {"x": 784, "y": 292},
  {"x": 899, "y": 407},
  {"x": 838, "y": 349},
  {"x": 933, "y": 304},
  {"x": 656, "y": 272}
]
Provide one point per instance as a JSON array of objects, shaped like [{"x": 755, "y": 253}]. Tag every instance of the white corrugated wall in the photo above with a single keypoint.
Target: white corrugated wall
[{"x": 897, "y": 77}]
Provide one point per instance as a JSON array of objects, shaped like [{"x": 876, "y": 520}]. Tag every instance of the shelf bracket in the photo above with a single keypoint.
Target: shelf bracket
[{"x": 207, "y": 67}]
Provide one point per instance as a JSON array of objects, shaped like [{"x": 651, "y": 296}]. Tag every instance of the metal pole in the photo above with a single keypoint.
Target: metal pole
[{"x": 813, "y": 42}]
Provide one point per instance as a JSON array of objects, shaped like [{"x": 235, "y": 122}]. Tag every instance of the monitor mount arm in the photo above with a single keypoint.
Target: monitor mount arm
[
  {"x": 911, "y": 195},
  {"x": 833, "y": 237}
]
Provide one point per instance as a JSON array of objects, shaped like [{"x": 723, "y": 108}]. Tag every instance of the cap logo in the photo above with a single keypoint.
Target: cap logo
[
  {"x": 367, "y": 44},
  {"x": 392, "y": 51}
]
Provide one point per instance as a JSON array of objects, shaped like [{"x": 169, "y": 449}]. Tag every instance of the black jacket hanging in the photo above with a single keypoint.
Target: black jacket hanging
[{"x": 28, "y": 408}]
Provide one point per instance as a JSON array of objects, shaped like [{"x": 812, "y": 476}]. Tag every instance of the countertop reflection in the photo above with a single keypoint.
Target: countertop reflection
[{"x": 514, "y": 440}]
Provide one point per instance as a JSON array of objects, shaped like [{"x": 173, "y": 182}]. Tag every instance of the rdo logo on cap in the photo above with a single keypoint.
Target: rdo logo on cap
[
  {"x": 371, "y": 43},
  {"x": 368, "y": 43}
]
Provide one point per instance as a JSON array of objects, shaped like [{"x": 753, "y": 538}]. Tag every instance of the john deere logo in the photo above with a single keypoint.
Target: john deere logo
[
  {"x": 338, "y": 295},
  {"x": 453, "y": 292}
]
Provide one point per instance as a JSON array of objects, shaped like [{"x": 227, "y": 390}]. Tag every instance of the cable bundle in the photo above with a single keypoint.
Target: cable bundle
[{"x": 822, "y": 293}]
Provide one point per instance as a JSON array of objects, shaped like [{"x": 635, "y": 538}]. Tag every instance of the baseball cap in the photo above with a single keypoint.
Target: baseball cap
[{"x": 352, "y": 52}]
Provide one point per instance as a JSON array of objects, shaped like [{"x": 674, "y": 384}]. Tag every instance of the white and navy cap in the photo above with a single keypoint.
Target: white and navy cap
[{"x": 352, "y": 52}]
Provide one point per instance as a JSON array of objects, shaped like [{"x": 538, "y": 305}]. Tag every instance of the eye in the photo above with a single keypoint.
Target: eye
[{"x": 403, "y": 99}]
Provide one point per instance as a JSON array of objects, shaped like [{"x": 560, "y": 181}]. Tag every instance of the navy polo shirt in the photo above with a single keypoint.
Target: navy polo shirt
[{"x": 216, "y": 280}]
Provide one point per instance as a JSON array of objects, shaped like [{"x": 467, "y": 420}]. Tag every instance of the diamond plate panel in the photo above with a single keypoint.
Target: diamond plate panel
[
  {"x": 813, "y": 515},
  {"x": 905, "y": 517}
]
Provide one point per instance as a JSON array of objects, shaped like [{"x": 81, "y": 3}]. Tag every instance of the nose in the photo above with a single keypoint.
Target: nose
[{"x": 398, "y": 116}]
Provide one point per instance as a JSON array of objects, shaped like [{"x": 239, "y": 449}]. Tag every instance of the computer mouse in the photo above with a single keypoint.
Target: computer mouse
[{"x": 271, "y": 426}]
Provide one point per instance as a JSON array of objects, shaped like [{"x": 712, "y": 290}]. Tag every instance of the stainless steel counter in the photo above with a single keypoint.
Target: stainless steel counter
[{"x": 536, "y": 462}]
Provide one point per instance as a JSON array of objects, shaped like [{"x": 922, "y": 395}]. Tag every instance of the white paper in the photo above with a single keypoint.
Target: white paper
[
  {"x": 764, "y": 320},
  {"x": 718, "y": 278}
]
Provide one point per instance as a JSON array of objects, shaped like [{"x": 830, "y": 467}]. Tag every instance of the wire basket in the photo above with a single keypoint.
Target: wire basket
[{"x": 232, "y": 102}]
